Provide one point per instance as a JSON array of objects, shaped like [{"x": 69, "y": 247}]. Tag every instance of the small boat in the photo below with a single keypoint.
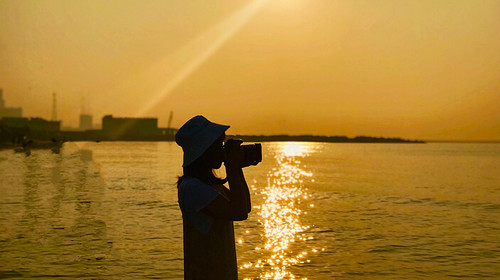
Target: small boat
[
  {"x": 28, "y": 145},
  {"x": 42, "y": 144},
  {"x": 24, "y": 150}
]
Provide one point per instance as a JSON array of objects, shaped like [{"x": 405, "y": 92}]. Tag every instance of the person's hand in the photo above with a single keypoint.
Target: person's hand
[{"x": 233, "y": 154}]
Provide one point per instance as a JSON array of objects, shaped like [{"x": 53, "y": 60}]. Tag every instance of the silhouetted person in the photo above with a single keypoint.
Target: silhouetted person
[{"x": 208, "y": 207}]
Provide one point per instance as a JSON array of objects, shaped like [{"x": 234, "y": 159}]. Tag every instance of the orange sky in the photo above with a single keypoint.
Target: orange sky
[{"x": 413, "y": 69}]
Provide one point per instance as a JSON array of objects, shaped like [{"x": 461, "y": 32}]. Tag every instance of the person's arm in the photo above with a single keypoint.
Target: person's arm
[
  {"x": 247, "y": 191},
  {"x": 238, "y": 207}
]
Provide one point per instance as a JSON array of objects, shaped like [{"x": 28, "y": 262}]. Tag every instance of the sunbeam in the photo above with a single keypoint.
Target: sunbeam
[{"x": 181, "y": 64}]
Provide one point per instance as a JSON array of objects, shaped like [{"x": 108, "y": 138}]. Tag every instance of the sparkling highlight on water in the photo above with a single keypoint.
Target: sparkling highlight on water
[{"x": 280, "y": 214}]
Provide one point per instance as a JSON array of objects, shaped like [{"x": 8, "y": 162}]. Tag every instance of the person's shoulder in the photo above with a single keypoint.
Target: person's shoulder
[
  {"x": 193, "y": 184},
  {"x": 195, "y": 194},
  {"x": 191, "y": 181}
]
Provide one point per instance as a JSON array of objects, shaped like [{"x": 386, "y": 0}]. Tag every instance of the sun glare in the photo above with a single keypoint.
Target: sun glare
[{"x": 293, "y": 149}]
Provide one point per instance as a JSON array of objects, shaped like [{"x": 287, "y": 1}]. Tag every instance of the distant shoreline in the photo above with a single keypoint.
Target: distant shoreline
[
  {"x": 324, "y": 139},
  {"x": 272, "y": 138},
  {"x": 63, "y": 137},
  {"x": 465, "y": 141},
  {"x": 99, "y": 136}
]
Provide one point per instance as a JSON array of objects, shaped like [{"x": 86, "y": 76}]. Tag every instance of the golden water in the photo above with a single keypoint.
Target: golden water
[{"x": 320, "y": 211}]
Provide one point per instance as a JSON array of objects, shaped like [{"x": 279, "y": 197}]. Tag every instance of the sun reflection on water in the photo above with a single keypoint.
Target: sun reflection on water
[{"x": 281, "y": 211}]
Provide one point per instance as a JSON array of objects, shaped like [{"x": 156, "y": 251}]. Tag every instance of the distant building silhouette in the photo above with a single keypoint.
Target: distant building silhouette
[
  {"x": 34, "y": 124},
  {"x": 44, "y": 125},
  {"x": 119, "y": 128},
  {"x": 6, "y": 112},
  {"x": 86, "y": 122},
  {"x": 34, "y": 128}
]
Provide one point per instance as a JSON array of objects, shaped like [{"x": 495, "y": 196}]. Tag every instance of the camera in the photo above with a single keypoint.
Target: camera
[{"x": 252, "y": 153}]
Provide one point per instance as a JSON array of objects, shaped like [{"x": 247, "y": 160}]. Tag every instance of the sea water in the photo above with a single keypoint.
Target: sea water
[{"x": 320, "y": 211}]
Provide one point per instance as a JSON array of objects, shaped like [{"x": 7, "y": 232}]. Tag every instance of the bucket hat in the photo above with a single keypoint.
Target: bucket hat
[{"x": 196, "y": 135}]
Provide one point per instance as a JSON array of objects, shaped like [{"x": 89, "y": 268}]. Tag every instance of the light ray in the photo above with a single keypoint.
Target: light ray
[{"x": 182, "y": 63}]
